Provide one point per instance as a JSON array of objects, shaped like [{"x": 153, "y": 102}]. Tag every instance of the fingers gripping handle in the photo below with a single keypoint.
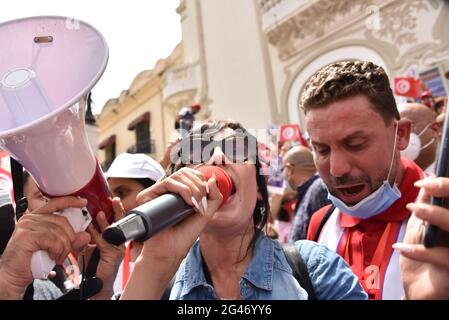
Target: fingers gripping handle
[{"x": 41, "y": 263}]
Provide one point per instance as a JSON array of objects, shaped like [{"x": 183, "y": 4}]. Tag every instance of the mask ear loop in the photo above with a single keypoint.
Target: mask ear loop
[
  {"x": 394, "y": 148},
  {"x": 431, "y": 140},
  {"x": 428, "y": 144},
  {"x": 424, "y": 129}
]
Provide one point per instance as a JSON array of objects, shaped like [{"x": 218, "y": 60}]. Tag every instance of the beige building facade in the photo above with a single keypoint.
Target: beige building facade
[
  {"x": 405, "y": 37},
  {"x": 252, "y": 58},
  {"x": 137, "y": 121}
]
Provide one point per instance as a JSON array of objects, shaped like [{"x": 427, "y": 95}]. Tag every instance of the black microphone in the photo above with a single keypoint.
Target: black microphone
[{"x": 166, "y": 210}]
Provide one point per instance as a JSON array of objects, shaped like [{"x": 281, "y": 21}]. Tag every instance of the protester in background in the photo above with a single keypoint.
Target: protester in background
[
  {"x": 425, "y": 136},
  {"x": 186, "y": 117},
  {"x": 300, "y": 174},
  {"x": 357, "y": 135},
  {"x": 233, "y": 259},
  {"x": 428, "y": 99},
  {"x": 287, "y": 145},
  {"x": 128, "y": 175},
  {"x": 31, "y": 192},
  {"x": 440, "y": 104},
  {"x": 170, "y": 152},
  {"x": 440, "y": 121},
  {"x": 282, "y": 218}
]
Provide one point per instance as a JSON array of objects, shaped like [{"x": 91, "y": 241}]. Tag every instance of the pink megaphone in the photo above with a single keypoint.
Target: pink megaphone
[{"x": 48, "y": 65}]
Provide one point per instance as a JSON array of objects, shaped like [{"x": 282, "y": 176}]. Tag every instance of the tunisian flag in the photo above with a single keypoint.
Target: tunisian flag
[
  {"x": 291, "y": 132},
  {"x": 407, "y": 87}
]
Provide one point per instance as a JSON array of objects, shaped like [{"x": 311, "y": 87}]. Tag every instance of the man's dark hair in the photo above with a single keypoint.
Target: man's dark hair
[{"x": 346, "y": 79}]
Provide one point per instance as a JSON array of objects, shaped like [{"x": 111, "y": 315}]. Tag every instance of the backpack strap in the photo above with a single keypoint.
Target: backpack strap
[
  {"x": 323, "y": 222},
  {"x": 299, "y": 268}
]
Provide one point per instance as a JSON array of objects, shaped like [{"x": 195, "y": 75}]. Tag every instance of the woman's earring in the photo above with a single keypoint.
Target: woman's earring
[{"x": 262, "y": 210}]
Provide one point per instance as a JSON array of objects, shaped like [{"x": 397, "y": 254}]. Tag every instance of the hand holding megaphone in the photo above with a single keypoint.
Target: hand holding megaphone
[
  {"x": 43, "y": 96},
  {"x": 40, "y": 230},
  {"x": 41, "y": 263}
]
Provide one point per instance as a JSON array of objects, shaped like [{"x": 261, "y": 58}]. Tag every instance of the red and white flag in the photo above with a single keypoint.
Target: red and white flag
[
  {"x": 291, "y": 132},
  {"x": 407, "y": 87}
]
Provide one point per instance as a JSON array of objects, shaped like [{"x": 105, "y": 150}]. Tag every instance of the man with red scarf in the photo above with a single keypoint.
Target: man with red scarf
[{"x": 357, "y": 135}]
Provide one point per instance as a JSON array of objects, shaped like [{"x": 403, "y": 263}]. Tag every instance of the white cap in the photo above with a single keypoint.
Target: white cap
[{"x": 137, "y": 165}]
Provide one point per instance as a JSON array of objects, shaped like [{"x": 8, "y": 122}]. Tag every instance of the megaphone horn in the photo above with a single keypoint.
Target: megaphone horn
[{"x": 46, "y": 72}]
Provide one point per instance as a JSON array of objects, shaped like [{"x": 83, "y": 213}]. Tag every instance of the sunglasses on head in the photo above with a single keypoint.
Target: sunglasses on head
[{"x": 237, "y": 148}]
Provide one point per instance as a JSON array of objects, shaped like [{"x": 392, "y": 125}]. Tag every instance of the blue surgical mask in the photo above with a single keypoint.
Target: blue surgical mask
[{"x": 377, "y": 202}]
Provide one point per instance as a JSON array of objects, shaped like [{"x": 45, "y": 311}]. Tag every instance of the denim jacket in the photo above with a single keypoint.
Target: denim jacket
[{"x": 269, "y": 276}]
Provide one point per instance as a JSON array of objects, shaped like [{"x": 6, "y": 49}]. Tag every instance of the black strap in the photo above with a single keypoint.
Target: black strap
[
  {"x": 17, "y": 181},
  {"x": 323, "y": 222},
  {"x": 299, "y": 268},
  {"x": 90, "y": 287},
  {"x": 91, "y": 270}
]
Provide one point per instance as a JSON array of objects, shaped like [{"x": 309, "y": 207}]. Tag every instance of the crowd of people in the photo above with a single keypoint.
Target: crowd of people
[{"x": 355, "y": 208}]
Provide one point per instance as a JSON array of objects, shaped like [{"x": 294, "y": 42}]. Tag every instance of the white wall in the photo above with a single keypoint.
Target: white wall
[{"x": 235, "y": 67}]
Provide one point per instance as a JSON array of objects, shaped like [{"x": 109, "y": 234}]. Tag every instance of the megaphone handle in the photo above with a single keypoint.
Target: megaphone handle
[{"x": 41, "y": 264}]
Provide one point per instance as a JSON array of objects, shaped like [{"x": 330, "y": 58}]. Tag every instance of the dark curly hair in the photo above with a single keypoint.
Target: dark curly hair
[{"x": 346, "y": 79}]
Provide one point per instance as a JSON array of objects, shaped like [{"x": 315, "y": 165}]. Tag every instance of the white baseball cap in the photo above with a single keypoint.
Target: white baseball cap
[{"x": 137, "y": 165}]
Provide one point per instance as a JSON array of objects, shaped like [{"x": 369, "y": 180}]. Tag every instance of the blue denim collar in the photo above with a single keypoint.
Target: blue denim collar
[{"x": 259, "y": 272}]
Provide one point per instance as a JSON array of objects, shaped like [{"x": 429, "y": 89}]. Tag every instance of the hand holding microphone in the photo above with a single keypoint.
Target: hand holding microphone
[
  {"x": 163, "y": 252},
  {"x": 172, "y": 200}
]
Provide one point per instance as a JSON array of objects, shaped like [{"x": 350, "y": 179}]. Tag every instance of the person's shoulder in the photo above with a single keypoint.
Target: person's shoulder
[
  {"x": 314, "y": 253},
  {"x": 331, "y": 276},
  {"x": 317, "y": 189},
  {"x": 317, "y": 183},
  {"x": 318, "y": 258},
  {"x": 315, "y": 221}
]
